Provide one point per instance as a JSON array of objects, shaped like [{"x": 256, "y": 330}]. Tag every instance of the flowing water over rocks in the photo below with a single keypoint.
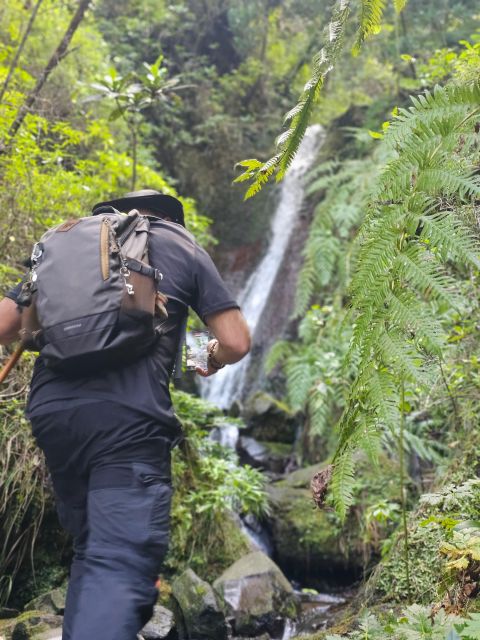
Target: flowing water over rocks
[{"x": 227, "y": 385}]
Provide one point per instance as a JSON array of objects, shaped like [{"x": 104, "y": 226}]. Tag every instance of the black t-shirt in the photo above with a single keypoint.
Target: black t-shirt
[{"x": 189, "y": 279}]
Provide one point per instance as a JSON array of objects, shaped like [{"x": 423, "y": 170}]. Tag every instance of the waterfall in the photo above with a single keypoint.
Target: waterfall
[{"x": 227, "y": 385}]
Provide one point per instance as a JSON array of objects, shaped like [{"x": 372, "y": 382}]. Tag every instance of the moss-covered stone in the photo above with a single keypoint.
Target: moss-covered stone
[
  {"x": 201, "y": 608},
  {"x": 269, "y": 420},
  {"x": 51, "y": 602},
  {"x": 312, "y": 545},
  {"x": 30, "y": 625}
]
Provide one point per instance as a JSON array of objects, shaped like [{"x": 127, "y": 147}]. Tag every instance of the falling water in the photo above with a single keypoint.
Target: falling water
[{"x": 227, "y": 385}]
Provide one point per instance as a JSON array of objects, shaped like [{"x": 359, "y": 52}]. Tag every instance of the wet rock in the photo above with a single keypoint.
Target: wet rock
[
  {"x": 160, "y": 626},
  {"x": 51, "y": 602},
  {"x": 34, "y": 624},
  {"x": 269, "y": 419},
  {"x": 252, "y": 452},
  {"x": 201, "y": 608},
  {"x": 269, "y": 456},
  {"x": 257, "y": 595}
]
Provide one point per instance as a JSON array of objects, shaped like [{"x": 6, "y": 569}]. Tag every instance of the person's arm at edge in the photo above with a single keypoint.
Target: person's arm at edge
[
  {"x": 231, "y": 330},
  {"x": 9, "y": 321}
]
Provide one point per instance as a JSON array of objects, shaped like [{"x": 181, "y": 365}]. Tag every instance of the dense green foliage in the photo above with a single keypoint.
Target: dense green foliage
[{"x": 211, "y": 490}]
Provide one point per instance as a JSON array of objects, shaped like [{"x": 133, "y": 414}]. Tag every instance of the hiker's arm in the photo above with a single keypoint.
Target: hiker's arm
[
  {"x": 9, "y": 321},
  {"x": 231, "y": 330}
]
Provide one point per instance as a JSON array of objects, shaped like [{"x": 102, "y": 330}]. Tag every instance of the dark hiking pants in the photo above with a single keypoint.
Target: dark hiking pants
[{"x": 116, "y": 504}]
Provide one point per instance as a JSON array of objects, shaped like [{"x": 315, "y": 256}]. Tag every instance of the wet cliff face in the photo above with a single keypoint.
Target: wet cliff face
[{"x": 267, "y": 295}]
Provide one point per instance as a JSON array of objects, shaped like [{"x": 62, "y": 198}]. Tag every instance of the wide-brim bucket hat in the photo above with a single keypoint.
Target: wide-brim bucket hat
[{"x": 166, "y": 206}]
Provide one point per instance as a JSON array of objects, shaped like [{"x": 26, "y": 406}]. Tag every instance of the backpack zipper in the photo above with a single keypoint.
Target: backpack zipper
[{"x": 105, "y": 248}]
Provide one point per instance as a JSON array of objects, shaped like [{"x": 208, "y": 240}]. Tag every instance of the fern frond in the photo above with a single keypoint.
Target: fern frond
[
  {"x": 449, "y": 236},
  {"x": 261, "y": 176},
  {"x": 404, "y": 310},
  {"x": 446, "y": 182},
  {"x": 319, "y": 409},
  {"x": 370, "y": 20},
  {"x": 453, "y": 105},
  {"x": 299, "y": 382},
  {"x": 298, "y": 117},
  {"x": 421, "y": 271},
  {"x": 305, "y": 286},
  {"x": 343, "y": 479},
  {"x": 381, "y": 389},
  {"x": 423, "y": 447},
  {"x": 277, "y": 354},
  {"x": 395, "y": 353},
  {"x": 369, "y": 439}
]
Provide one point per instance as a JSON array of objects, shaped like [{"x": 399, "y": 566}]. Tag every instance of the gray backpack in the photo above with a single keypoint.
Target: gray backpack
[{"x": 90, "y": 299}]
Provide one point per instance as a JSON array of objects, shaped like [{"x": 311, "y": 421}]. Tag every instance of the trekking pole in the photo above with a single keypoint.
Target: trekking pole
[{"x": 11, "y": 362}]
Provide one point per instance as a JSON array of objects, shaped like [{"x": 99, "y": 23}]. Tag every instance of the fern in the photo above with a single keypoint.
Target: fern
[
  {"x": 370, "y": 21},
  {"x": 336, "y": 218},
  {"x": 342, "y": 481},
  {"x": 277, "y": 354},
  {"x": 319, "y": 408},
  {"x": 411, "y": 237}
]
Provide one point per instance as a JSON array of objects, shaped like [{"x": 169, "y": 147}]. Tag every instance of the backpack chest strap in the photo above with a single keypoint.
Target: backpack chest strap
[{"x": 144, "y": 269}]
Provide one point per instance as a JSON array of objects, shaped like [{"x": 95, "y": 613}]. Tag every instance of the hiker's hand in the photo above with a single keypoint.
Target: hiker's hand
[
  {"x": 211, "y": 368},
  {"x": 206, "y": 373}
]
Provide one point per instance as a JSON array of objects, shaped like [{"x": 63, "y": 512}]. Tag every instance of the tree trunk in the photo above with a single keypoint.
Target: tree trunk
[
  {"x": 14, "y": 62},
  {"x": 57, "y": 56}
]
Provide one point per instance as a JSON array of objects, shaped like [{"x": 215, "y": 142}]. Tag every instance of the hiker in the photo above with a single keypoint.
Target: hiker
[{"x": 107, "y": 436}]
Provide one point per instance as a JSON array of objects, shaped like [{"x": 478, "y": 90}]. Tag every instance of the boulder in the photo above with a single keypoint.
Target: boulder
[
  {"x": 269, "y": 419},
  {"x": 35, "y": 624},
  {"x": 160, "y": 626},
  {"x": 257, "y": 595},
  {"x": 201, "y": 608},
  {"x": 50, "y": 602},
  {"x": 311, "y": 545},
  {"x": 308, "y": 542}
]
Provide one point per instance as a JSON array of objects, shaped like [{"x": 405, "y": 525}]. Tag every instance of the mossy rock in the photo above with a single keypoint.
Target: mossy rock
[
  {"x": 301, "y": 478},
  {"x": 270, "y": 420},
  {"x": 312, "y": 545},
  {"x": 30, "y": 625},
  {"x": 269, "y": 456},
  {"x": 50, "y": 602},
  {"x": 307, "y": 541},
  {"x": 201, "y": 608}
]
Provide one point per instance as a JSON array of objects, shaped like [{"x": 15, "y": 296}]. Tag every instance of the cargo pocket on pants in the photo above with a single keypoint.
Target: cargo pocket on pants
[{"x": 158, "y": 485}]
